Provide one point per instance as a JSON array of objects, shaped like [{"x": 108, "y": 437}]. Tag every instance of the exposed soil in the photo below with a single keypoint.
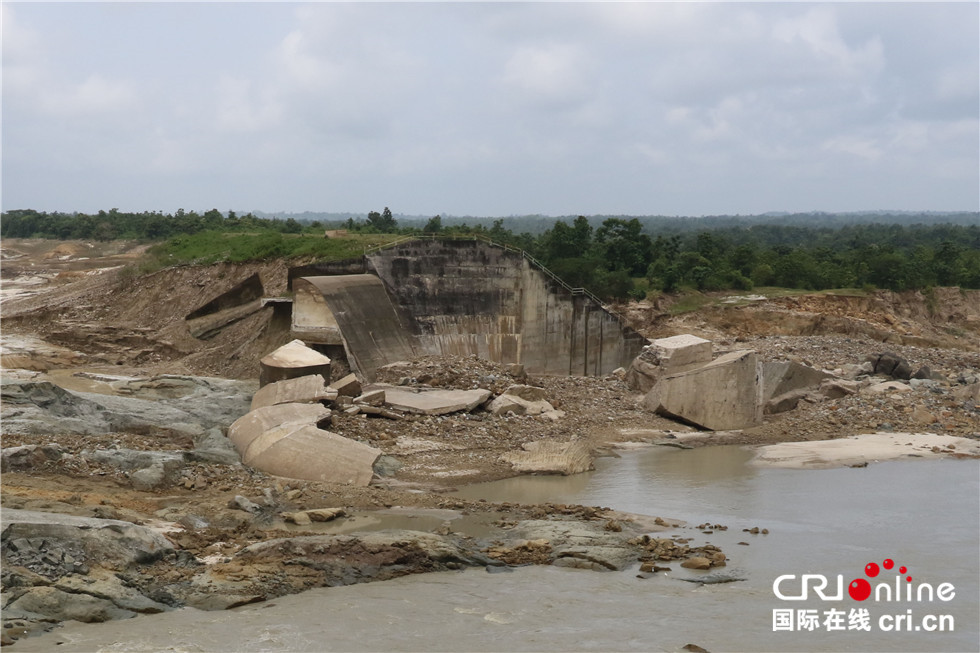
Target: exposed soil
[{"x": 108, "y": 319}]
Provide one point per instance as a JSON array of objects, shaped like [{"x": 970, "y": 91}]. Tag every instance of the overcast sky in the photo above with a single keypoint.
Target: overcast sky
[{"x": 492, "y": 109}]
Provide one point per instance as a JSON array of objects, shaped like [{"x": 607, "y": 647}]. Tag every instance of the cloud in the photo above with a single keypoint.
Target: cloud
[
  {"x": 553, "y": 75},
  {"x": 491, "y": 107},
  {"x": 239, "y": 110},
  {"x": 93, "y": 96},
  {"x": 820, "y": 34}
]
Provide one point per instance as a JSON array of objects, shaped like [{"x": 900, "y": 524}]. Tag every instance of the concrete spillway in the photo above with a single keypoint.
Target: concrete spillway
[
  {"x": 353, "y": 310},
  {"x": 461, "y": 297}
]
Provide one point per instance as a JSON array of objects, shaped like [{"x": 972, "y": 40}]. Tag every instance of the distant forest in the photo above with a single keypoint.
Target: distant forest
[{"x": 614, "y": 256}]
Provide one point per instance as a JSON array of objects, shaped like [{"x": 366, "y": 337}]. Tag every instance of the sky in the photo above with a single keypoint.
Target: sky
[{"x": 491, "y": 109}]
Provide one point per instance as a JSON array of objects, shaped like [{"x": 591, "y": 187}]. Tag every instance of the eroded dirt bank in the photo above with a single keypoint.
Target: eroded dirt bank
[{"x": 231, "y": 534}]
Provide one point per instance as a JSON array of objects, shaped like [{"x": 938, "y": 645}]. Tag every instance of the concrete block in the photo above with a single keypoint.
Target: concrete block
[
  {"x": 723, "y": 395},
  {"x": 667, "y": 356},
  {"x": 312, "y": 454},
  {"x": 779, "y": 378},
  {"x": 255, "y": 423},
  {"x": 435, "y": 402},
  {"x": 680, "y": 351},
  {"x": 292, "y": 360},
  {"x": 348, "y": 386},
  {"x": 302, "y": 390}
]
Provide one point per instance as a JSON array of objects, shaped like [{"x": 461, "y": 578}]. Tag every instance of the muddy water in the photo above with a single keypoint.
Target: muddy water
[{"x": 924, "y": 515}]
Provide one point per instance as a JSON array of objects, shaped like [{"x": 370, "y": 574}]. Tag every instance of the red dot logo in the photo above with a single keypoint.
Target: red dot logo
[
  {"x": 888, "y": 564},
  {"x": 859, "y": 589},
  {"x": 871, "y": 570},
  {"x": 902, "y": 570}
]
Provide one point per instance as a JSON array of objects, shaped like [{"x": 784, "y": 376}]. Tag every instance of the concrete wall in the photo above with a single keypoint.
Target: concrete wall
[
  {"x": 469, "y": 297},
  {"x": 357, "y": 308}
]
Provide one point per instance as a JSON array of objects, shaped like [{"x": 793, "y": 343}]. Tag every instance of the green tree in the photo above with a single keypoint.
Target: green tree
[
  {"x": 433, "y": 226},
  {"x": 623, "y": 246}
]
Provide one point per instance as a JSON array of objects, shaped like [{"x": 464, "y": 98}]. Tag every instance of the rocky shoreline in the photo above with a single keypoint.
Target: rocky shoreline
[{"x": 131, "y": 499}]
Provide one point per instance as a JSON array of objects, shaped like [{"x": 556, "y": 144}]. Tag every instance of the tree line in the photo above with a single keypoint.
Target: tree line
[{"x": 617, "y": 257}]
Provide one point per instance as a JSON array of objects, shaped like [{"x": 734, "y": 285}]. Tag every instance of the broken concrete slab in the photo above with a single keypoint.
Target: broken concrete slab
[
  {"x": 292, "y": 360},
  {"x": 308, "y": 453},
  {"x": 782, "y": 377},
  {"x": 244, "y": 292},
  {"x": 304, "y": 390},
  {"x": 248, "y": 427},
  {"x": 786, "y": 401},
  {"x": 348, "y": 386},
  {"x": 371, "y": 398},
  {"x": 435, "y": 402},
  {"x": 380, "y": 411},
  {"x": 208, "y": 326},
  {"x": 667, "y": 356},
  {"x": 723, "y": 395},
  {"x": 548, "y": 457}
]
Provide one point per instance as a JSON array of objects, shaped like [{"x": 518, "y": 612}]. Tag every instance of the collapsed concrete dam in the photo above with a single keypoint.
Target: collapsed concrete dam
[{"x": 460, "y": 298}]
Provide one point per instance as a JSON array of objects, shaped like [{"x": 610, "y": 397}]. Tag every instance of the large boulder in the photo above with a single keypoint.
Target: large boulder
[
  {"x": 667, "y": 356},
  {"x": 292, "y": 360},
  {"x": 724, "y": 394},
  {"x": 522, "y": 400},
  {"x": 150, "y": 469},
  {"x": 108, "y": 542},
  {"x": 42, "y": 407},
  {"x": 187, "y": 405},
  {"x": 60, "y": 605},
  {"x": 890, "y": 364},
  {"x": 28, "y": 456}
]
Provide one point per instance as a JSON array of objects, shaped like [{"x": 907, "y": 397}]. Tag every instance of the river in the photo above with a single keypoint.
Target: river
[{"x": 922, "y": 514}]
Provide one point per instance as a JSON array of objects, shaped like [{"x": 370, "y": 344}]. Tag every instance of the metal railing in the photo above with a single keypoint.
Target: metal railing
[{"x": 510, "y": 248}]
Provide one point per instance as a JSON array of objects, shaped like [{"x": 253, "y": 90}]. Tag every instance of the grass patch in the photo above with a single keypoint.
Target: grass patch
[
  {"x": 209, "y": 247},
  {"x": 690, "y": 301}
]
